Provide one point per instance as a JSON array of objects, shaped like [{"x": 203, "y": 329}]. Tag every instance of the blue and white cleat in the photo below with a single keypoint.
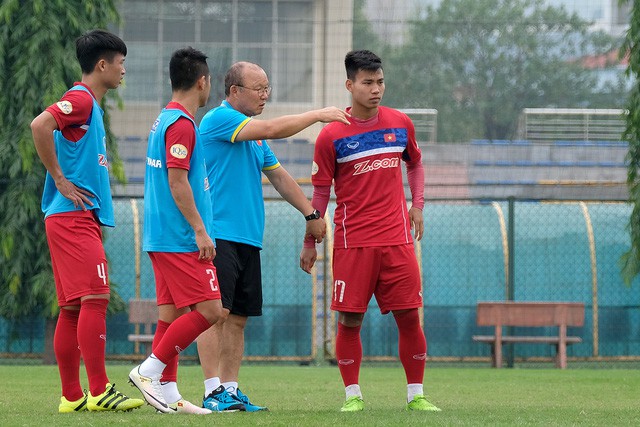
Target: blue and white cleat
[
  {"x": 219, "y": 400},
  {"x": 250, "y": 407}
]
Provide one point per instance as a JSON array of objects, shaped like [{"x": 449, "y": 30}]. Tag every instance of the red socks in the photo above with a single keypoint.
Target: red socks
[
  {"x": 179, "y": 335},
  {"x": 349, "y": 353},
  {"x": 170, "y": 372},
  {"x": 65, "y": 347},
  {"x": 412, "y": 345},
  {"x": 92, "y": 338}
]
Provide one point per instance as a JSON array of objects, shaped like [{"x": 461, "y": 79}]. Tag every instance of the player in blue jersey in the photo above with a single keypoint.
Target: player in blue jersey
[
  {"x": 237, "y": 155},
  {"x": 70, "y": 137},
  {"x": 177, "y": 234}
]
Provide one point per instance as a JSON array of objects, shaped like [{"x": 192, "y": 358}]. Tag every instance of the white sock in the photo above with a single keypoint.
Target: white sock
[
  {"x": 152, "y": 366},
  {"x": 353, "y": 390},
  {"x": 412, "y": 390},
  {"x": 231, "y": 387},
  {"x": 170, "y": 391},
  {"x": 211, "y": 384}
]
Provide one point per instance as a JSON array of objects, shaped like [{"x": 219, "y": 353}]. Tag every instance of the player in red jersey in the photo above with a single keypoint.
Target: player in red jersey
[
  {"x": 373, "y": 226},
  {"x": 69, "y": 137}
]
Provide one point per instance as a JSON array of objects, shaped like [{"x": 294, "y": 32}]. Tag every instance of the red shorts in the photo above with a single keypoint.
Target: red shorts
[
  {"x": 77, "y": 256},
  {"x": 182, "y": 279},
  {"x": 390, "y": 273}
]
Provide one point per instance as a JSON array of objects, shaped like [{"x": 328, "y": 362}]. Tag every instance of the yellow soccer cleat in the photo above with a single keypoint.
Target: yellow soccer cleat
[
  {"x": 420, "y": 403},
  {"x": 112, "y": 400},
  {"x": 66, "y": 406},
  {"x": 353, "y": 404}
]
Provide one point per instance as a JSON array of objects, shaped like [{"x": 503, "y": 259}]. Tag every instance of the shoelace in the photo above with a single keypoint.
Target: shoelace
[
  {"x": 242, "y": 398},
  {"x": 113, "y": 390},
  {"x": 112, "y": 398},
  {"x": 223, "y": 397},
  {"x": 226, "y": 397}
]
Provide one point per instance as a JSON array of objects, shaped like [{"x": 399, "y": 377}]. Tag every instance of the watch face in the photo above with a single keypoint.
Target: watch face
[{"x": 314, "y": 215}]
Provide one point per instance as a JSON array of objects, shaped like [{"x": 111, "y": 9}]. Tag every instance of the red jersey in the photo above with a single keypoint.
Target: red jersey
[
  {"x": 181, "y": 134},
  {"x": 73, "y": 112},
  {"x": 363, "y": 161}
]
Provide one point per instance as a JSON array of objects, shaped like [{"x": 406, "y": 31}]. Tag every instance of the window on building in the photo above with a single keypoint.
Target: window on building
[{"x": 276, "y": 34}]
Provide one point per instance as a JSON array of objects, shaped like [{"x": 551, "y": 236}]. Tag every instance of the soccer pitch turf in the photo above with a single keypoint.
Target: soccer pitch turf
[{"x": 313, "y": 395}]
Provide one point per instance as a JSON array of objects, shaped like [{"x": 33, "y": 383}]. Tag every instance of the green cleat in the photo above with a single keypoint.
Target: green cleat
[
  {"x": 420, "y": 403},
  {"x": 75, "y": 406},
  {"x": 112, "y": 400},
  {"x": 353, "y": 404}
]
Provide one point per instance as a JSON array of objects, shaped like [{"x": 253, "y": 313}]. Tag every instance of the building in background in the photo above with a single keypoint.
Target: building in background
[{"x": 300, "y": 44}]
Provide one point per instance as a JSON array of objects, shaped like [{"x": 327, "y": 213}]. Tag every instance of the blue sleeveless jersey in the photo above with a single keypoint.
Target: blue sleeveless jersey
[
  {"x": 84, "y": 163},
  {"x": 165, "y": 228},
  {"x": 235, "y": 168}
]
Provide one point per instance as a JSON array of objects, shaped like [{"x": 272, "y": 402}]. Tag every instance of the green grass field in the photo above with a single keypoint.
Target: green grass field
[{"x": 312, "y": 396}]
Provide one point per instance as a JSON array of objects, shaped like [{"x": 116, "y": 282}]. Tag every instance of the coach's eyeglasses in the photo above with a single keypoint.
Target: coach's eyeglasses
[{"x": 261, "y": 92}]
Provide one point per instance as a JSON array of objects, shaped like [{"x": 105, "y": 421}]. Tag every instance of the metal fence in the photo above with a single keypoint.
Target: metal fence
[
  {"x": 473, "y": 251},
  {"x": 571, "y": 124}
]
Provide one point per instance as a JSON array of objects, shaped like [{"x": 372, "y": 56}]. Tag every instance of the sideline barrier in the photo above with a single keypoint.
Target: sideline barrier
[{"x": 561, "y": 252}]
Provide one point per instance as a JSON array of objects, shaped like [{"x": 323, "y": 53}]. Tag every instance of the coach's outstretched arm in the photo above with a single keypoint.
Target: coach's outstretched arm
[{"x": 286, "y": 126}]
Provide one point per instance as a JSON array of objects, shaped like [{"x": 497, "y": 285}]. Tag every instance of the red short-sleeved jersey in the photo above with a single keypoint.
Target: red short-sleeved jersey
[
  {"x": 73, "y": 112},
  {"x": 181, "y": 132},
  {"x": 363, "y": 161}
]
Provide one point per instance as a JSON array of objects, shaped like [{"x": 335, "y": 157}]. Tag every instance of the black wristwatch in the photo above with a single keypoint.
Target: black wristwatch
[{"x": 314, "y": 215}]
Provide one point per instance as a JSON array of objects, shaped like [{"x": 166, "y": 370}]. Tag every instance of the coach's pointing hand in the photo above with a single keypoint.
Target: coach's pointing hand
[{"x": 333, "y": 114}]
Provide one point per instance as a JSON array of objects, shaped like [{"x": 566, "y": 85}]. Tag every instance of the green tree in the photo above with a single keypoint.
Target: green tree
[
  {"x": 630, "y": 260},
  {"x": 480, "y": 62},
  {"x": 363, "y": 35},
  {"x": 37, "y": 65}
]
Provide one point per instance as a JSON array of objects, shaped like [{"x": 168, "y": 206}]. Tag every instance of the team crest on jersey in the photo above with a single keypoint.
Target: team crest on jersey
[
  {"x": 178, "y": 151},
  {"x": 155, "y": 125},
  {"x": 314, "y": 168},
  {"x": 65, "y": 107}
]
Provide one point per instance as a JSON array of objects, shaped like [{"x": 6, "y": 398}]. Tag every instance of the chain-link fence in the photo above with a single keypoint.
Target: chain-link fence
[{"x": 473, "y": 251}]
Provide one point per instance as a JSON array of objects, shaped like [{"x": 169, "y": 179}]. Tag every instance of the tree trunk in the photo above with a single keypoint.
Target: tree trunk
[{"x": 48, "y": 356}]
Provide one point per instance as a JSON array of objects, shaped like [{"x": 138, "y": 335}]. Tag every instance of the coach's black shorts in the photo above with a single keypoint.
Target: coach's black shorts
[{"x": 239, "y": 276}]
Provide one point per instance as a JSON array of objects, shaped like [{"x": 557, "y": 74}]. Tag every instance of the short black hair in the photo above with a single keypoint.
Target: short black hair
[
  {"x": 186, "y": 66},
  {"x": 357, "y": 60},
  {"x": 95, "y": 45}
]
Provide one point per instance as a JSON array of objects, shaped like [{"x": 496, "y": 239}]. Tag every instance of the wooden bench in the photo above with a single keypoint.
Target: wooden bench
[
  {"x": 529, "y": 314},
  {"x": 143, "y": 313}
]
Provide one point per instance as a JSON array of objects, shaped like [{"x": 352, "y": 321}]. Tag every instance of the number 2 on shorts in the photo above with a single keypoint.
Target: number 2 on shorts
[{"x": 212, "y": 282}]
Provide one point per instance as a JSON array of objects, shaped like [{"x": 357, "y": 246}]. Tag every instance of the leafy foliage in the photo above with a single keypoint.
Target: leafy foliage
[
  {"x": 480, "y": 62},
  {"x": 630, "y": 260},
  {"x": 363, "y": 36},
  {"x": 37, "y": 64}
]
